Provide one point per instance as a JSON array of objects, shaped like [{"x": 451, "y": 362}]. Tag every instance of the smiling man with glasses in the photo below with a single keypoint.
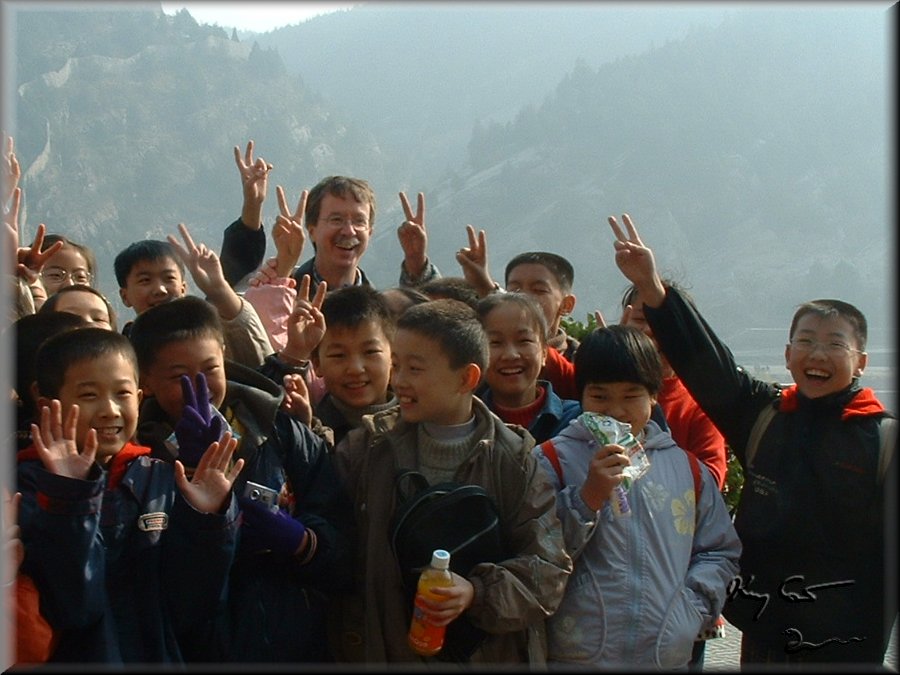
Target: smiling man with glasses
[{"x": 339, "y": 217}]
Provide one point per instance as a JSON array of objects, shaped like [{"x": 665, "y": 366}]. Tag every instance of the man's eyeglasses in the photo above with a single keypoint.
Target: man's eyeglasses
[
  {"x": 58, "y": 275},
  {"x": 805, "y": 345},
  {"x": 338, "y": 221}
]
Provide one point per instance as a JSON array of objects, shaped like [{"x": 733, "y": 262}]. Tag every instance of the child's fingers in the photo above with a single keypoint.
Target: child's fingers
[
  {"x": 235, "y": 471},
  {"x": 89, "y": 451},
  {"x": 319, "y": 298}
]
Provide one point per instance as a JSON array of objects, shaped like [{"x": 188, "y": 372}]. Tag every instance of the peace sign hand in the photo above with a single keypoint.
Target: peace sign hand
[
  {"x": 474, "y": 262},
  {"x": 306, "y": 324},
  {"x": 636, "y": 262},
  {"x": 288, "y": 234},
  {"x": 254, "y": 174},
  {"x": 412, "y": 236}
]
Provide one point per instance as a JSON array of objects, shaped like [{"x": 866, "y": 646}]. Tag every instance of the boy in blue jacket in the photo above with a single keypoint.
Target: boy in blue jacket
[
  {"x": 114, "y": 539},
  {"x": 294, "y": 548}
]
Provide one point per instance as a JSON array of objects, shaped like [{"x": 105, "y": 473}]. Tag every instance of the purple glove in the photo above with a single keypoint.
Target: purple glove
[
  {"x": 265, "y": 530},
  {"x": 199, "y": 425}
]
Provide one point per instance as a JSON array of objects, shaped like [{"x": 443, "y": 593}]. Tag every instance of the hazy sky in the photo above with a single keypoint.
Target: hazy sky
[{"x": 254, "y": 16}]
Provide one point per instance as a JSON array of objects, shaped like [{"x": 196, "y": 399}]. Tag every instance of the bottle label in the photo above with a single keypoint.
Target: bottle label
[{"x": 424, "y": 636}]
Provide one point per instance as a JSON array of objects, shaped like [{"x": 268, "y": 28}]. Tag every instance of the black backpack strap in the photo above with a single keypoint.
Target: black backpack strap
[{"x": 756, "y": 433}]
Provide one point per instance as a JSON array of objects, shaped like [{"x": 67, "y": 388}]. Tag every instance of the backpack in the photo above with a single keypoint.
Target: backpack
[
  {"x": 887, "y": 433},
  {"x": 459, "y": 518}
]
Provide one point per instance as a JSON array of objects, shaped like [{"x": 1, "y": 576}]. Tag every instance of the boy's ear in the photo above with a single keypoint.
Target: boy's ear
[
  {"x": 471, "y": 376},
  {"x": 567, "y": 305},
  {"x": 124, "y": 296}
]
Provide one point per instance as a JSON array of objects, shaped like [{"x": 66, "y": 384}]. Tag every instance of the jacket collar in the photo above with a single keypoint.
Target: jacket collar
[{"x": 860, "y": 401}]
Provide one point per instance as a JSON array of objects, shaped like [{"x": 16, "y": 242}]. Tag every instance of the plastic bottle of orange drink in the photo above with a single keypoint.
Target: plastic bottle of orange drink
[{"x": 424, "y": 637}]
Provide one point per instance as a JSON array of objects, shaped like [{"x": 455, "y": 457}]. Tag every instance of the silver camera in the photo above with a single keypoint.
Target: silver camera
[{"x": 260, "y": 493}]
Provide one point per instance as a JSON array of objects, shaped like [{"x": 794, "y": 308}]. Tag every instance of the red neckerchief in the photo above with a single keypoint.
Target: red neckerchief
[
  {"x": 117, "y": 464},
  {"x": 121, "y": 460},
  {"x": 863, "y": 404}
]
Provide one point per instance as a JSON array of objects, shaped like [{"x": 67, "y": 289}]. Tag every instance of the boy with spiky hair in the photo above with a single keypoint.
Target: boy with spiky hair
[
  {"x": 442, "y": 430},
  {"x": 818, "y": 458},
  {"x": 112, "y": 537}
]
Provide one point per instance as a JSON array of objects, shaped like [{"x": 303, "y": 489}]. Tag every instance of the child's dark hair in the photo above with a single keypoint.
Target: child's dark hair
[
  {"x": 408, "y": 297},
  {"x": 339, "y": 186},
  {"x": 51, "y": 302},
  {"x": 525, "y": 302},
  {"x": 30, "y": 333},
  {"x": 456, "y": 288},
  {"x": 60, "y": 352},
  {"x": 147, "y": 249},
  {"x": 88, "y": 255},
  {"x": 184, "y": 318},
  {"x": 350, "y": 306},
  {"x": 561, "y": 268},
  {"x": 454, "y": 326},
  {"x": 827, "y": 308},
  {"x": 618, "y": 354}
]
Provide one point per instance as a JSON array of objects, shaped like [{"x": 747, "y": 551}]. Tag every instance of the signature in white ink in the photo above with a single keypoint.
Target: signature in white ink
[{"x": 795, "y": 642}]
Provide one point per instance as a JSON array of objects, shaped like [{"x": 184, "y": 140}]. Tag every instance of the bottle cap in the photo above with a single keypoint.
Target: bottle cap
[{"x": 440, "y": 559}]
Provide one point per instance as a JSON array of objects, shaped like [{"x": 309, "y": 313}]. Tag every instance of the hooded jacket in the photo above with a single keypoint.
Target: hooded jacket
[{"x": 644, "y": 584}]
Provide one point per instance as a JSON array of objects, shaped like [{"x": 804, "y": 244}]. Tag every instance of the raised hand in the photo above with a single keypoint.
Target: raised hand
[
  {"x": 306, "y": 324},
  {"x": 209, "y": 488},
  {"x": 412, "y": 236},
  {"x": 57, "y": 446},
  {"x": 199, "y": 425},
  {"x": 30, "y": 260},
  {"x": 287, "y": 233},
  {"x": 12, "y": 172},
  {"x": 202, "y": 262},
  {"x": 474, "y": 262},
  {"x": 254, "y": 183},
  {"x": 635, "y": 260},
  {"x": 296, "y": 398},
  {"x": 206, "y": 270}
]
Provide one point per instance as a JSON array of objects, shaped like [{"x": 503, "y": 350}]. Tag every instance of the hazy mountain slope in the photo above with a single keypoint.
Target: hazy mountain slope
[
  {"x": 420, "y": 75},
  {"x": 753, "y": 153}
]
